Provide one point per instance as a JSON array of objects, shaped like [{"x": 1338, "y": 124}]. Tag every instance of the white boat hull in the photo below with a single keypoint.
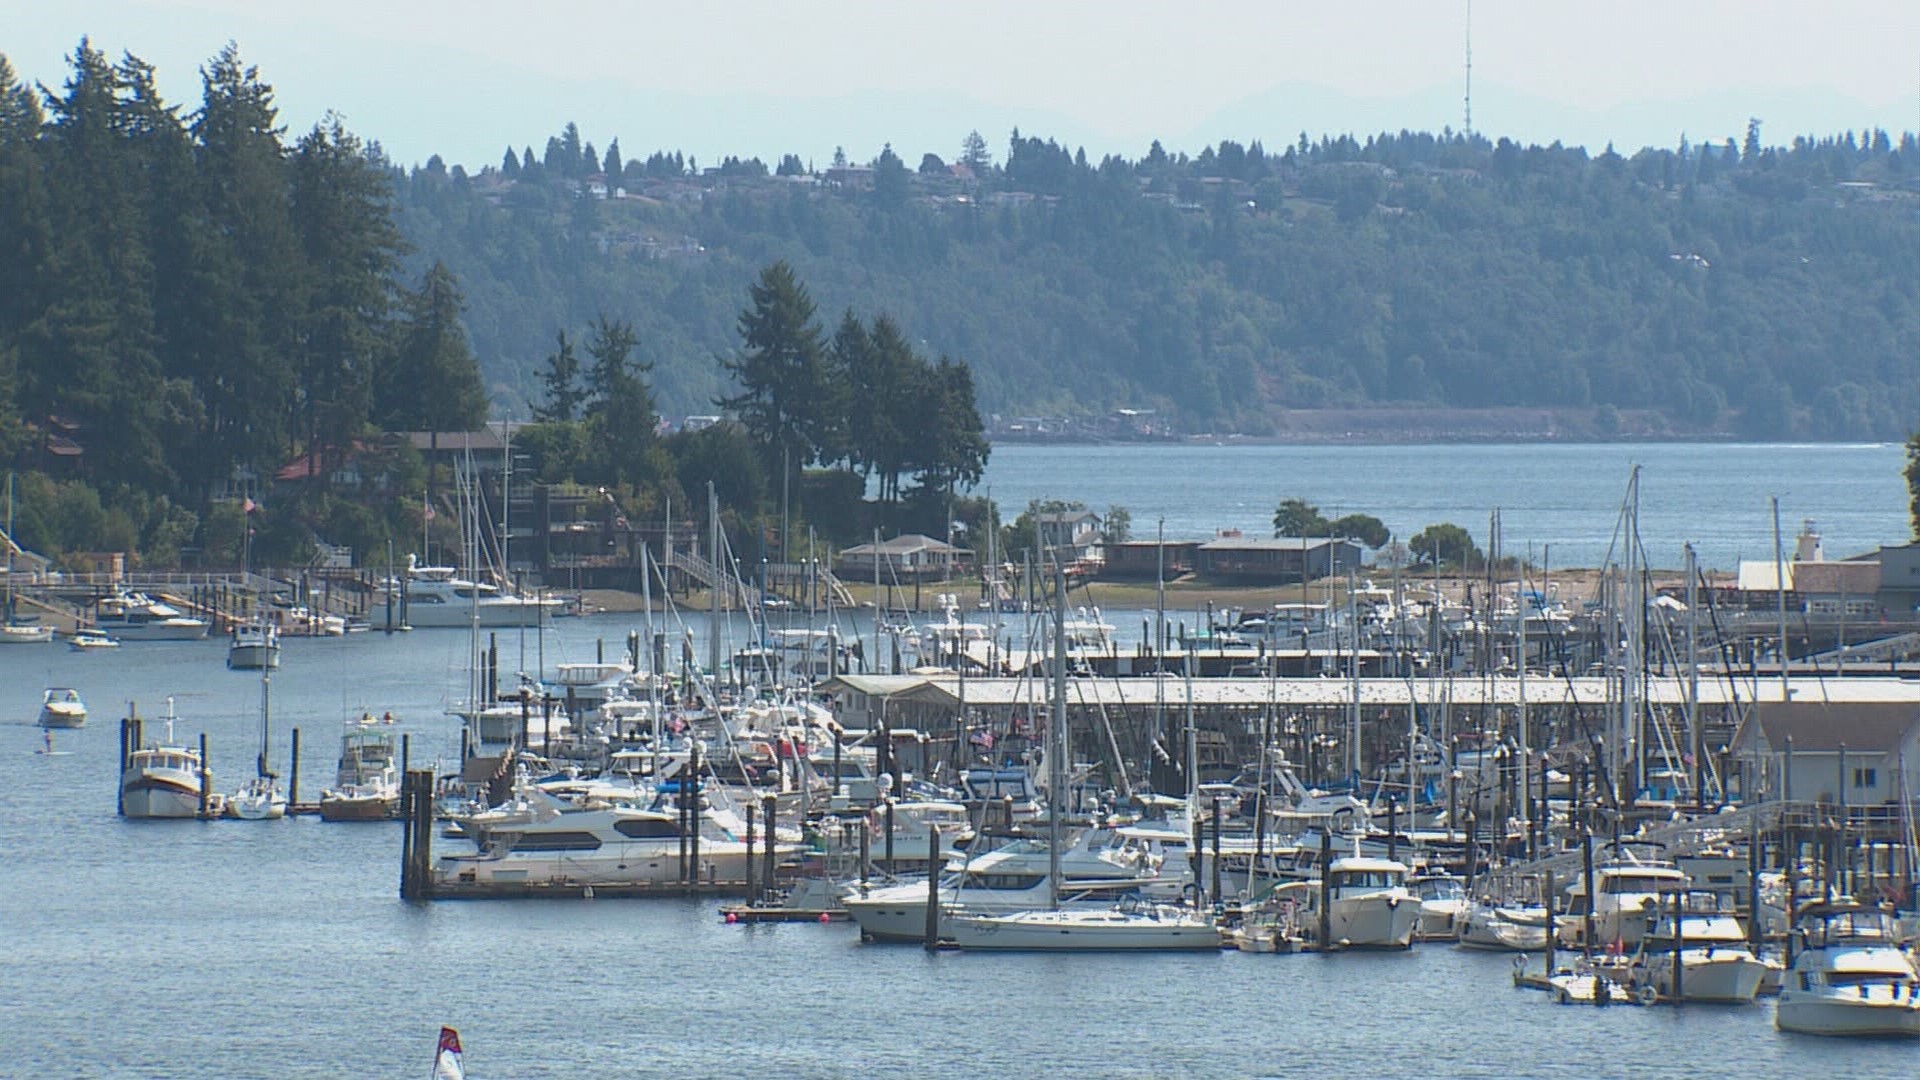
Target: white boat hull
[
  {"x": 25, "y": 635},
  {"x": 146, "y": 798},
  {"x": 639, "y": 864},
  {"x": 1490, "y": 930},
  {"x": 1731, "y": 976},
  {"x": 165, "y": 630},
  {"x": 1372, "y": 922},
  {"x": 1106, "y": 930},
  {"x": 1817, "y": 1013},
  {"x": 486, "y": 614},
  {"x": 62, "y": 716},
  {"x": 253, "y": 657},
  {"x": 255, "y": 809}
]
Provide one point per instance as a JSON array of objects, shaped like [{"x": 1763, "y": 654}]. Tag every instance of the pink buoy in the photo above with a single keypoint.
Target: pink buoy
[
  {"x": 825, "y": 918},
  {"x": 732, "y": 918}
]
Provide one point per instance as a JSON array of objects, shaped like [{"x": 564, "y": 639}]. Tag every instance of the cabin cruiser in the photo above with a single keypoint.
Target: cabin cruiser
[
  {"x": 138, "y": 617},
  {"x": 260, "y": 800},
  {"x": 1629, "y": 893},
  {"x": 1130, "y": 926},
  {"x": 541, "y": 839},
  {"x": 1711, "y": 948},
  {"x": 254, "y": 646},
  {"x": 1443, "y": 906},
  {"x": 1849, "y": 976},
  {"x": 87, "y": 638},
  {"x": 367, "y": 783},
  {"x": 16, "y": 633},
  {"x": 1368, "y": 905},
  {"x": 163, "y": 780},
  {"x": 61, "y": 707},
  {"x": 1011, "y": 878},
  {"x": 436, "y": 596}
]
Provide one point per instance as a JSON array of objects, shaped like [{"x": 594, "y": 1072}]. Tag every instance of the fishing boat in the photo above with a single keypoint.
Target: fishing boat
[
  {"x": 163, "y": 780},
  {"x": 367, "y": 782},
  {"x": 1849, "y": 976},
  {"x": 254, "y": 646},
  {"x": 87, "y": 639},
  {"x": 61, "y": 707}
]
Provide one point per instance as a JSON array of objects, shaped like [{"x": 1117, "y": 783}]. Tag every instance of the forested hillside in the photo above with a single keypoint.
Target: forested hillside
[{"x": 1768, "y": 291}]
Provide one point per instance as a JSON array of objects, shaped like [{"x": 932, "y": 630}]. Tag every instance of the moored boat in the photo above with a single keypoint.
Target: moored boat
[
  {"x": 164, "y": 780},
  {"x": 1849, "y": 976},
  {"x": 367, "y": 782},
  {"x": 1127, "y": 927}
]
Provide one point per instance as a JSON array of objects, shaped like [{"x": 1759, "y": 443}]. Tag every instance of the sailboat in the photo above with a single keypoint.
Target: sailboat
[
  {"x": 446, "y": 1057},
  {"x": 1131, "y": 926},
  {"x": 261, "y": 799},
  {"x": 13, "y": 632}
]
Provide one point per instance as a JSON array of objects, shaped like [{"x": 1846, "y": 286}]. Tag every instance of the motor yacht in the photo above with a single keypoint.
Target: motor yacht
[
  {"x": 254, "y": 646},
  {"x": 139, "y": 617},
  {"x": 1710, "y": 947},
  {"x": 61, "y": 707},
  {"x": 367, "y": 782},
  {"x": 1368, "y": 905},
  {"x": 1443, "y": 906},
  {"x": 1504, "y": 927},
  {"x": 1849, "y": 975},
  {"x": 87, "y": 638},
  {"x": 437, "y": 596},
  {"x": 1628, "y": 897}
]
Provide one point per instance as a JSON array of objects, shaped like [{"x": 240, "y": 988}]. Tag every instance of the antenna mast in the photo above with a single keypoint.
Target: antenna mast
[{"x": 1469, "y": 98}]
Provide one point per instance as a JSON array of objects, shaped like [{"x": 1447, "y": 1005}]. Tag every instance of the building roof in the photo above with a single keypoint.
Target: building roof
[
  {"x": 1870, "y": 727},
  {"x": 1850, "y": 578},
  {"x": 1273, "y": 543},
  {"x": 906, "y": 544},
  {"x": 487, "y": 440}
]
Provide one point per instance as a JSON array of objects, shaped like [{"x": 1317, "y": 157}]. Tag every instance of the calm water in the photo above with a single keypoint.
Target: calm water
[
  {"x": 1563, "y": 499},
  {"x": 150, "y": 949}
]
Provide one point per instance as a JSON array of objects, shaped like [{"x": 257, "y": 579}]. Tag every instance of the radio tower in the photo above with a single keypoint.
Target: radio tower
[{"x": 1469, "y": 68}]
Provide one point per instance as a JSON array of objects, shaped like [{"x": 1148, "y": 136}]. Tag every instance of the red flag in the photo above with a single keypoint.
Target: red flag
[
  {"x": 449, "y": 1041},
  {"x": 446, "y": 1059},
  {"x": 428, "y": 506}
]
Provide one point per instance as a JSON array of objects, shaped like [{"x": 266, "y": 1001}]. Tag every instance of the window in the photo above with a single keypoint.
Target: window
[{"x": 1866, "y": 778}]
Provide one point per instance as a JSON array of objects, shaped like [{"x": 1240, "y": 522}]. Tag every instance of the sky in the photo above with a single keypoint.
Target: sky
[{"x": 762, "y": 79}]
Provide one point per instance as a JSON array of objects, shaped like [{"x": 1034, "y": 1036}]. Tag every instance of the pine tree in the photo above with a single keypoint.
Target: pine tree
[
  {"x": 561, "y": 379},
  {"x": 781, "y": 373}
]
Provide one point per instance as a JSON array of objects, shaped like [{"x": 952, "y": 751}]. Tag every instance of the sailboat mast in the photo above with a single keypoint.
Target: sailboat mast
[
  {"x": 1057, "y": 736},
  {"x": 713, "y": 601},
  {"x": 1780, "y": 592}
]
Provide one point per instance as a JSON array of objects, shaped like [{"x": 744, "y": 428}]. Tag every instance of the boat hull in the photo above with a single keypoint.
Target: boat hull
[
  {"x": 359, "y": 808},
  {"x": 63, "y": 718},
  {"x": 1094, "y": 931},
  {"x": 1372, "y": 922},
  {"x": 1823, "y": 1014},
  {"x": 720, "y": 861},
  {"x": 190, "y": 630},
  {"x": 1482, "y": 930},
  {"x": 25, "y": 635},
  {"x": 1733, "y": 978},
  {"x": 143, "y": 797},
  {"x": 253, "y": 657}
]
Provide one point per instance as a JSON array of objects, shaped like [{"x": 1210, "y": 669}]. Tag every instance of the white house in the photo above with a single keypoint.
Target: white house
[{"x": 1853, "y": 750}]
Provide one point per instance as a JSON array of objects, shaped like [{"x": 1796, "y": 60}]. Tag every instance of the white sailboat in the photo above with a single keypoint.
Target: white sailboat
[
  {"x": 261, "y": 799},
  {"x": 446, "y": 1057},
  {"x": 13, "y": 632},
  {"x": 1131, "y": 926}
]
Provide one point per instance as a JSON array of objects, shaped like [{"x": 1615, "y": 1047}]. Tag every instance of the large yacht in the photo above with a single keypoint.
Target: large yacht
[
  {"x": 139, "y": 617},
  {"x": 541, "y": 839},
  {"x": 1629, "y": 893},
  {"x": 1849, "y": 976},
  {"x": 436, "y": 596}
]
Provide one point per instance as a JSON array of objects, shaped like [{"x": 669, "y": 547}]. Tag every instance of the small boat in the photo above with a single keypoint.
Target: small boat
[
  {"x": 1710, "y": 949},
  {"x": 367, "y": 782},
  {"x": 446, "y": 1057},
  {"x": 61, "y": 707},
  {"x": 24, "y": 633},
  {"x": 1368, "y": 905},
  {"x": 1505, "y": 928},
  {"x": 254, "y": 646},
  {"x": 87, "y": 638},
  {"x": 163, "y": 780},
  {"x": 1849, "y": 975},
  {"x": 261, "y": 799}
]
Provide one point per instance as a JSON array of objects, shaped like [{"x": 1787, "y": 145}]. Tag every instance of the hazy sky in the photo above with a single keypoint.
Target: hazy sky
[{"x": 764, "y": 78}]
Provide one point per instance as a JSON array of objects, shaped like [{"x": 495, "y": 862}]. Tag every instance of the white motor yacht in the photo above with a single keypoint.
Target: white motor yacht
[
  {"x": 254, "y": 646},
  {"x": 436, "y": 596},
  {"x": 260, "y": 800},
  {"x": 61, "y": 707},
  {"x": 1628, "y": 898},
  {"x": 1368, "y": 905},
  {"x": 1443, "y": 906},
  {"x": 13, "y": 633},
  {"x": 367, "y": 782},
  {"x": 1849, "y": 976},
  {"x": 138, "y": 617},
  {"x": 1711, "y": 949},
  {"x": 87, "y": 638}
]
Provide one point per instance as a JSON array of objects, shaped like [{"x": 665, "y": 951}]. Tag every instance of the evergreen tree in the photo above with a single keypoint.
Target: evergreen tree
[
  {"x": 781, "y": 373},
  {"x": 612, "y": 167},
  {"x": 560, "y": 378},
  {"x": 621, "y": 415},
  {"x": 510, "y": 164},
  {"x": 433, "y": 383}
]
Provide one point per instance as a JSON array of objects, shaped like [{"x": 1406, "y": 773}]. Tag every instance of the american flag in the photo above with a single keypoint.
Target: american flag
[
  {"x": 446, "y": 1059},
  {"x": 427, "y": 506}
]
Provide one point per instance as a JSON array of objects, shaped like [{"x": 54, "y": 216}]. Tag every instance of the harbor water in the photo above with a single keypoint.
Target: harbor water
[{"x": 282, "y": 949}]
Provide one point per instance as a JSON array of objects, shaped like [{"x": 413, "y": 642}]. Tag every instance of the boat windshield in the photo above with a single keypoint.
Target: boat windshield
[
  {"x": 1636, "y": 883},
  {"x": 1365, "y": 879}
]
